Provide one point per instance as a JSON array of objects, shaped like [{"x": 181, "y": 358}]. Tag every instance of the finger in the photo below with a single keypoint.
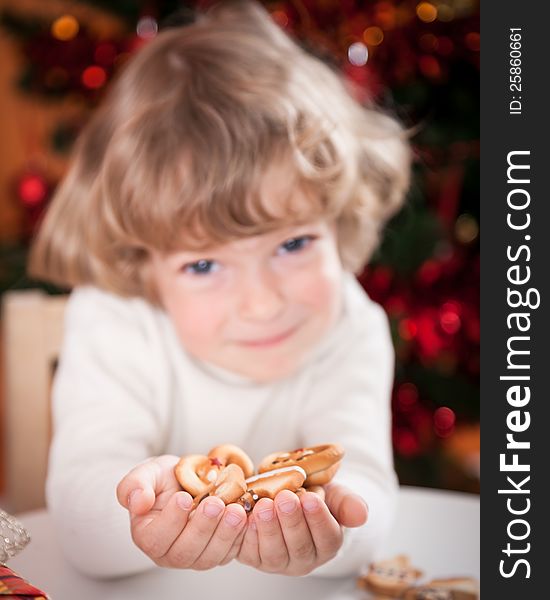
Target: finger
[
  {"x": 249, "y": 554},
  {"x": 155, "y": 535},
  {"x": 236, "y": 547},
  {"x": 187, "y": 548},
  {"x": 231, "y": 524},
  {"x": 298, "y": 540},
  {"x": 317, "y": 489},
  {"x": 271, "y": 543},
  {"x": 138, "y": 489},
  {"x": 325, "y": 530},
  {"x": 348, "y": 508}
]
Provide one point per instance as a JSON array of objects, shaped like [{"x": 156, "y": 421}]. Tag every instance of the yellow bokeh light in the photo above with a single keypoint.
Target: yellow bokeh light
[
  {"x": 466, "y": 229},
  {"x": 65, "y": 28},
  {"x": 373, "y": 36},
  {"x": 426, "y": 12}
]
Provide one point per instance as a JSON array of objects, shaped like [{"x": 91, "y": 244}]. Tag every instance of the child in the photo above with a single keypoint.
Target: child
[{"x": 217, "y": 206}]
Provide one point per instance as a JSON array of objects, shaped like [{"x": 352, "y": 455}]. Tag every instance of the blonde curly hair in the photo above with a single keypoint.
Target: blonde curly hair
[{"x": 175, "y": 155}]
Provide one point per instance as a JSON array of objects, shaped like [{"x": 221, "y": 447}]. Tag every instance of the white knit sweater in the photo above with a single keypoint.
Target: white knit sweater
[{"x": 126, "y": 390}]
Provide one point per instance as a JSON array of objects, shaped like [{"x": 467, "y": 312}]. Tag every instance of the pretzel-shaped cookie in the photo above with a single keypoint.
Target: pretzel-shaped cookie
[
  {"x": 196, "y": 473},
  {"x": 229, "y": 486},
  {"x": 319, "y": 462}
]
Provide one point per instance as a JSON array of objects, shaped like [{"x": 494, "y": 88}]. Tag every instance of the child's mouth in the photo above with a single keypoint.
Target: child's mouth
[{"x": 269, "y": 341}]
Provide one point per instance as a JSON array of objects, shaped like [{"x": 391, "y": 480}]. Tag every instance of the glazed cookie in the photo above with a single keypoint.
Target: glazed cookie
[
  {"x": 319, "y": 462},
  {"x": 270, "y": 483}
]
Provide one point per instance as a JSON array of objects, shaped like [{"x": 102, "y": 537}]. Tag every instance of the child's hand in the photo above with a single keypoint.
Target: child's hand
[
  {"x": 162, "y": 525},
  {"x": 295, "y": 534}
]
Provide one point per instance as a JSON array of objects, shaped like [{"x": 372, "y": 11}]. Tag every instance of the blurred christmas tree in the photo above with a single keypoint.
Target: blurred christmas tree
[{"x": 419, "y": 60}]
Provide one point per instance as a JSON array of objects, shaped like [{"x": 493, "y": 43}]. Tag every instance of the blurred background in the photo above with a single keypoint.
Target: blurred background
[{"x": 419, "y": 60}]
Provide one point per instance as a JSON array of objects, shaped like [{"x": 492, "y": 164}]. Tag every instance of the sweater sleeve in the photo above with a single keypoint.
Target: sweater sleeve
[
  {"x": 350, "y": 404},
  {"x": 105, "y": 422}
]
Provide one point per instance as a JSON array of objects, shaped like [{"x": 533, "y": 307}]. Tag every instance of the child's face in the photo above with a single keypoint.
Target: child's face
[{"x": 257, "y": 306}]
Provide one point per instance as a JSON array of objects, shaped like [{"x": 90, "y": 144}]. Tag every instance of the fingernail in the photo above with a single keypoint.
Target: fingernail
[
  {"x": 184, "y": 501},
  {"x": 266, "y": 514},
  {"x": 133, "y": 498},
  {"x": 311, "y": 504},
  {"x": 212, "y": 509},
  {"x": 233, "y": 518},
  {"x": 287, "y": 507}
]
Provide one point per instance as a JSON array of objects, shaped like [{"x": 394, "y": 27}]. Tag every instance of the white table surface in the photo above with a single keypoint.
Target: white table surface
[{"x": 438, "y": 530}]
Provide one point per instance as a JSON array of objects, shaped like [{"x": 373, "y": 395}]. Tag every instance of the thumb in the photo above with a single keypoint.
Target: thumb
[
  {"x": 136, "y": 490},
  {"x": 348, "y": 508},
  {"x": 140, "y": 501}
]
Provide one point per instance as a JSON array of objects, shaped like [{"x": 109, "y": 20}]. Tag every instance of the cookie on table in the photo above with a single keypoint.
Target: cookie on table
[
  {"x": 457, "y": 588},
  {"x": 390, "y": 578}
]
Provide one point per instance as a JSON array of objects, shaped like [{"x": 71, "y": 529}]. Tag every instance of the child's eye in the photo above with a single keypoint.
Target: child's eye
[
  {"x": 201, "y": 267},
  {"x": 295, "y": 244}
]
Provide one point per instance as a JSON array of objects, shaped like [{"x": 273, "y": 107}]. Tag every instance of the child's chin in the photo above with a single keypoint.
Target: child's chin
[{"x": 271, "y": 373}]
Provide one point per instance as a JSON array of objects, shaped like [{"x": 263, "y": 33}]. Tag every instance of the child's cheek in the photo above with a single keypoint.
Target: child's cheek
[
  {"x": 199, "y": 326},
  {"x": 319, "y": 287}
]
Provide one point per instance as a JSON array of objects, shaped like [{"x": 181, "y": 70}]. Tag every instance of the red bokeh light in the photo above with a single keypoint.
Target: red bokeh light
[
  {"x": 444, "y": 421},
  {"x": 407, "y": 329},
  {"x": 429, "y": 66},
  {"x": 32, "y": 189},
  {"x": 94, "y": 77},
  {"x": 449, "y": 317},
  {"x": 406, "y": 443},
  {"x": 407, "y": 396}
]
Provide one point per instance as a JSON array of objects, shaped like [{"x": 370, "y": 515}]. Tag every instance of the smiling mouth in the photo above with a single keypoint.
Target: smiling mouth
[{"x": 266, "y": 342}]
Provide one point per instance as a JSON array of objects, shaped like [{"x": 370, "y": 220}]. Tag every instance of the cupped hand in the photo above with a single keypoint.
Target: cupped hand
[
  {"x": 165, "y": 525},
  {"x": 294, "y": 534}
]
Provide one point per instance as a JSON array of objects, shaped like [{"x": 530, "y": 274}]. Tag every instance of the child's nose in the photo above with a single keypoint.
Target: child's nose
[{"x": 260, "y": 297}]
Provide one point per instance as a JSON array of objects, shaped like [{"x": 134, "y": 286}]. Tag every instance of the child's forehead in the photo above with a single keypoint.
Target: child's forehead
[{"x": 273, "y": 206}]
